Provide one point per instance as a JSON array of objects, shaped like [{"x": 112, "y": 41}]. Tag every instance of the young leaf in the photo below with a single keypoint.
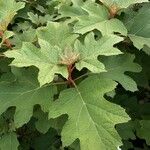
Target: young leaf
[
  {"x": 91, "y": 117},
  {"x": 91, "y": 49},
  {"x": 23, "y": 94},
  {"x": 8, "y": 10},
  {"x": 116, "y": 67},
  {"x": 46, "y": 59}
]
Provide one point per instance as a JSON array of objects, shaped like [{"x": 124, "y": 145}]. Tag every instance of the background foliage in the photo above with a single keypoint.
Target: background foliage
[{"x": 74, "y": 75}]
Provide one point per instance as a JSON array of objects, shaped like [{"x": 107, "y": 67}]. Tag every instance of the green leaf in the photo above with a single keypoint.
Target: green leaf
[
  {"x": 117, "y": 66},
  {"x": 9, "y": 142},
  {"x": 46, "y": 141},
  {"x": 146, "y": 49},
  {"x": 49, "y": 58},
  {"x": 26, "y": 36},
  {"x": 34, "y": 18},
  {"x": 39, "y": 20},
  {"x": 75, "y": 145},
  {"x": 91, "y": 49},
  {"x": 127, "y": 145},
  {"x": 7, "y": 11},
  {"x": 43, "y": 124},
  {"x": 143, "y": 132},
  {"x": 139, "y": 28},
  {"x": 121, "y": 3},
  {"x": 142, "y": 78},
  {"x": 139, "y": 42},
  {"x": 6, "y": 121},
  {"x": 46, "y": 59},
  {"x": 4, "y": 62},
  {"x": 23, "y": 93},
  {"x": 92, "y": 16},
  {"x": 126, "y": 130},
  {"x": 58, "y": 83},
  {"x": 91, "y": 117},
  {"x": 59, "y": 34},
  {"x": 130, "y": 104}
]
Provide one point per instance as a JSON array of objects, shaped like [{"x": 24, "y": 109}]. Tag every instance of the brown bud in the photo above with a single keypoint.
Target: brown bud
[{"x": 69, "y": 57}]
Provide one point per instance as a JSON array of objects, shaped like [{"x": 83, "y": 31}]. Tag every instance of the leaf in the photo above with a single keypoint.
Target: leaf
[
  {"x": 91, "y": 117},
  {"x": 46, "y": 141},
  {"x": 127, "y": 145},
  {"x": 121, "y": 3},
  {"x": 75, "y": 145},
  {"x": 139, "y": 42},
  {"x": 91, "y": 49},
  {"x": 49, "y": 58},
  {"x": 23, "y": 94},
  {"x": 46, "y": 59},
  {"x": 146, "y": 49},
  {"x": 4, "y": 62},
  {"x": 92, "y": 16},
  {"x": 143, "y": 132},
  {"x": 38, "y": 20},
  {"x": 43, "y": 124},
  {"x": 34, "y": 18},
  {"x": 9, "y": 142},
  {"x": 126, "y": 130},
  {"x": 94, "y": 44},
  {"x": 7, "y": 11},
  {"x": 142, "y": 78},
  {"x": 6, "y": 121},
  {"x": 59, "y": 34},
  {"x": 26, "y": 36},
  {"x": 117, "y": 66},
  {"x": 129, "y": 103},
  {"x": 139, "y": 28}
]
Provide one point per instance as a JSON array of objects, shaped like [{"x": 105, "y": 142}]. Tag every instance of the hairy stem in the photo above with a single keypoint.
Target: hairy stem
[{"x": 70, "y": 69}]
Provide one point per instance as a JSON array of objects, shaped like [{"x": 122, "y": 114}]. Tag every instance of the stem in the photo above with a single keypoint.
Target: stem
[
  {"x": 6, "y": 41},
  {"x": 70, "y": 69}
]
